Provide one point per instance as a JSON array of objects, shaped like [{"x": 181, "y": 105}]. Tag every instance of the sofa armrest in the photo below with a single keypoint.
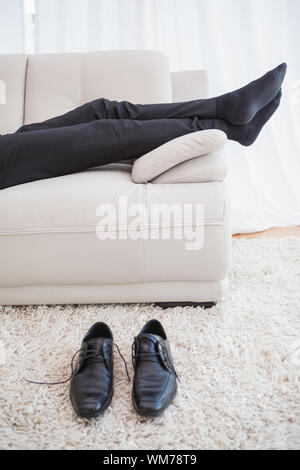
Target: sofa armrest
[
  {"x": 189, "y": 85},
  {"x": 156, "y": 165}
]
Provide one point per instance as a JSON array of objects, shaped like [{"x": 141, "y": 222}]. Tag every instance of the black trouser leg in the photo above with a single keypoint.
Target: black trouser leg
[
  {"x": 36, "y": 155},
  {"x": 106, "y": 109}
]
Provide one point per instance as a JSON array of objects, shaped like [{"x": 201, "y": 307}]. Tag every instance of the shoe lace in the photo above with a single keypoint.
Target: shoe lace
[
  {"x": 90, "y": 354},
  {"x": 147, "y": 356}
]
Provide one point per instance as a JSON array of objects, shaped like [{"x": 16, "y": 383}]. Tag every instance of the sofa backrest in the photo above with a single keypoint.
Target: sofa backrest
[{"x": 37, "y": 87}]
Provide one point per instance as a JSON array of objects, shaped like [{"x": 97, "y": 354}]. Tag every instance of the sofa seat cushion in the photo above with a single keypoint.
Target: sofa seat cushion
[{"x": 48, "y": 232}]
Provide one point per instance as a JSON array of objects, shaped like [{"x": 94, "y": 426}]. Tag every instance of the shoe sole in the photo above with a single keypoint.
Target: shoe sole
[
  {"x": 99, "y": 413},
  {"x": 153, "y": 414}
]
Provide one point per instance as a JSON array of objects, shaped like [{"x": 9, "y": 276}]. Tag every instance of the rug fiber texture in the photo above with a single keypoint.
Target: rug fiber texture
[{"x": 239, "y": 365}]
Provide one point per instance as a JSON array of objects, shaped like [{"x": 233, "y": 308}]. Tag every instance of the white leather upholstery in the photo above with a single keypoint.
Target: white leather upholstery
[
  {"x": 203, "y": 169},
  {"x": 137, "y": 76},
  {"x": 49, "y": 250},
  {"x": 114, "y": 293},
  {"x": 176, "y": 151},
  {"x": 13, "y": 75},
  {"x": 62, "y": 233},
  {"x": 189, "y": 85}
]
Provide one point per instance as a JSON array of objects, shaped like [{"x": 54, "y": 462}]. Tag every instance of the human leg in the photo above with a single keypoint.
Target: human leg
[
  {"x": 237, "y": 107},
  {"x": 41, "y": 154}
]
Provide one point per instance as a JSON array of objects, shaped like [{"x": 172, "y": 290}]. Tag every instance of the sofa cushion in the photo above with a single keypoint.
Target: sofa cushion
[
  {"x": 48, "y": 232},
  {"x": 203, "y": 169},
  {"x": 12, "y": 84},
  {"x": 57, "y": 83},
  {"x": 176, "y": 151}
]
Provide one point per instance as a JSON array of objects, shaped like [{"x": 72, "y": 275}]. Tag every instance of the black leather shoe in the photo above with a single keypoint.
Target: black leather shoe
[
  {"x": 155, "y": 379},
  {"x": 91, "y": 388}
]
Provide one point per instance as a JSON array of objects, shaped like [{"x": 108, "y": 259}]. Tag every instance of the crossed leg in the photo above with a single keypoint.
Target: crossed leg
[
  {"x": 41, "y": 154},
  {"x": 48, "y": 153},
  {"x": 97, "y": 133},
  {"x": 238, "y": 107}
]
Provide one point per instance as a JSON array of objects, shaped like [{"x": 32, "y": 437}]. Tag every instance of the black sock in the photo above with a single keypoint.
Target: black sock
[
  {"x": 248, "y": 133},
  {"x": 240, "y": 106}
]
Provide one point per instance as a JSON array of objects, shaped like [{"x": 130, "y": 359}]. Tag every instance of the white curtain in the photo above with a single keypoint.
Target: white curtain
[
  {"x": 12, "y": 37},
  {"x": 236, "y": 41}
]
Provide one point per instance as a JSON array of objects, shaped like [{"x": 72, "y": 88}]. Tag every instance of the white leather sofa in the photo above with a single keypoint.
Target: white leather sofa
[{"x": 49, "y": 251}]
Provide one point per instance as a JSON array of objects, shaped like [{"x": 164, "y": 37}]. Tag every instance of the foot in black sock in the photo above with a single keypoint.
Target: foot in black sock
[
  {"x": 248, "y": 133},
  {"x": 240, "y": 106}
]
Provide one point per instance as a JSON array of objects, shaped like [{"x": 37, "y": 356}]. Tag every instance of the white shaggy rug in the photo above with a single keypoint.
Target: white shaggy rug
[{"x": 239, "y": 365}]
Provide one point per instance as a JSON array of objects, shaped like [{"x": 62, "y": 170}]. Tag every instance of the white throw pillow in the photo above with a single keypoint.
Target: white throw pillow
[
  {"x": 176, "y": 151},
  {"x": 203, "y": 169}
]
